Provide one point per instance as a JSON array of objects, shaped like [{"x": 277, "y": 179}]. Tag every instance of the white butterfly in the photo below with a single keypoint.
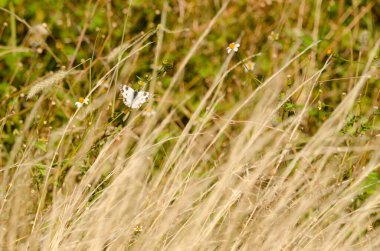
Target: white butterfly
[{"x": 132, "y": 98}]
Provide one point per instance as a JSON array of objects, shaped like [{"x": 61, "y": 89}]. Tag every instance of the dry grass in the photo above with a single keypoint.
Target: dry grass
[
  {"x": 46, "y": 83},
  {"x": 236, "y": 180}
]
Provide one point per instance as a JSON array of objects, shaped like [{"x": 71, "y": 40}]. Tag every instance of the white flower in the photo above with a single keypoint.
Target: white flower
[
  {"x": 233, "y": 47},
  {"x": 81, "y": 101},
  {"x": 250, "y": 66},
  {"x": 148, "y": 112}
]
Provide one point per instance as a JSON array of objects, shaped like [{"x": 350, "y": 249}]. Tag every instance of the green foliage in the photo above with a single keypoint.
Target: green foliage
[
  {"x": 41, "y": 145},
  {"x": 371, "y": 184},
  {"x": 3, "y": 3},
  {"x": 356, "y": 125},
  {"x": 369, "y": 187},
  {"x": 38, "y": 174}
]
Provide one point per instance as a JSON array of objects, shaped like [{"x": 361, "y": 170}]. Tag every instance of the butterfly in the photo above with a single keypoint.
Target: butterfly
[{"x": 132, "y": 98}]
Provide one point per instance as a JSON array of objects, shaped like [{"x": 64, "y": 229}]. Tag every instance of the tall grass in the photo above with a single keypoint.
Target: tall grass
[{"x": 218, "y": 171}]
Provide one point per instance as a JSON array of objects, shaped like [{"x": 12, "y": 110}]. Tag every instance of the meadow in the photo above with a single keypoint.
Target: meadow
[{"x": 189, "y": 125}]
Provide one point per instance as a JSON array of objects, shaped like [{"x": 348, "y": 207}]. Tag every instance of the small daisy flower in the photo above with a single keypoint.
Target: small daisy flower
[
  {"x": 233, "y": 47},
  {"x": 250, "y": 66},
  {"x": 81, "y": 101},
  {"x": 148, "y": 112},
  {"x": 138, "y": 229},
  {"x": 273, "y": 36}
]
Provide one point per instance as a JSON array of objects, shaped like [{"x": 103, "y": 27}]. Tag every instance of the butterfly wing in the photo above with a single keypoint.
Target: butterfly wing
[
  {"x": 140, "y": 99},
  {"x": 128, "y": 95}
]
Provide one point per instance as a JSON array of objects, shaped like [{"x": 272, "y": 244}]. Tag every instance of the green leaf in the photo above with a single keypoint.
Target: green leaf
[
  {"x": 289, "y": 106},
  {"x": 371, "y": 183},
  {"x": 17, "y": 1},
  {"x": 41, "y": 169},
  {"x": 3, "y": 3},
  {"x": 307, "y": 40},
  {"x": 41, "y": 145}
]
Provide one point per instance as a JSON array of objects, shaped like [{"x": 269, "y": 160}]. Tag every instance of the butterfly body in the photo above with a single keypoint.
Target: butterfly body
[{"x": 134, "y": 99}]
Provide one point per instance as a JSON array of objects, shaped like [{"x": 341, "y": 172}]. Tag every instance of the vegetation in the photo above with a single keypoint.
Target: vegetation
[{"x": 261, "y": 130}]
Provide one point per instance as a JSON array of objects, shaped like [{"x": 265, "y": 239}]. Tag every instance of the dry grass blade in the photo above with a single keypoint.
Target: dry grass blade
[
  {"x": 7, "y": 50},
  {"x": 115, "y": 53}
]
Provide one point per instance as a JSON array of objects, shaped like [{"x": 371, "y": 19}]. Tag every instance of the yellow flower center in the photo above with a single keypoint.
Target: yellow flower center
[
  {"x": 231, "y": 45},
  {"x": 81, "y": 100}
]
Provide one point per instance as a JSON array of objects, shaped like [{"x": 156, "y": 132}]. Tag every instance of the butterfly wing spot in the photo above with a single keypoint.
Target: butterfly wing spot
[
  {"x": 140, "y": 99},
  {"x": 128, "y": 95}
]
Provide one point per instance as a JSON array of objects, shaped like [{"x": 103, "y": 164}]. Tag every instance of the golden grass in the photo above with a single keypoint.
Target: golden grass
[{"x": 236, "y": 181}]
